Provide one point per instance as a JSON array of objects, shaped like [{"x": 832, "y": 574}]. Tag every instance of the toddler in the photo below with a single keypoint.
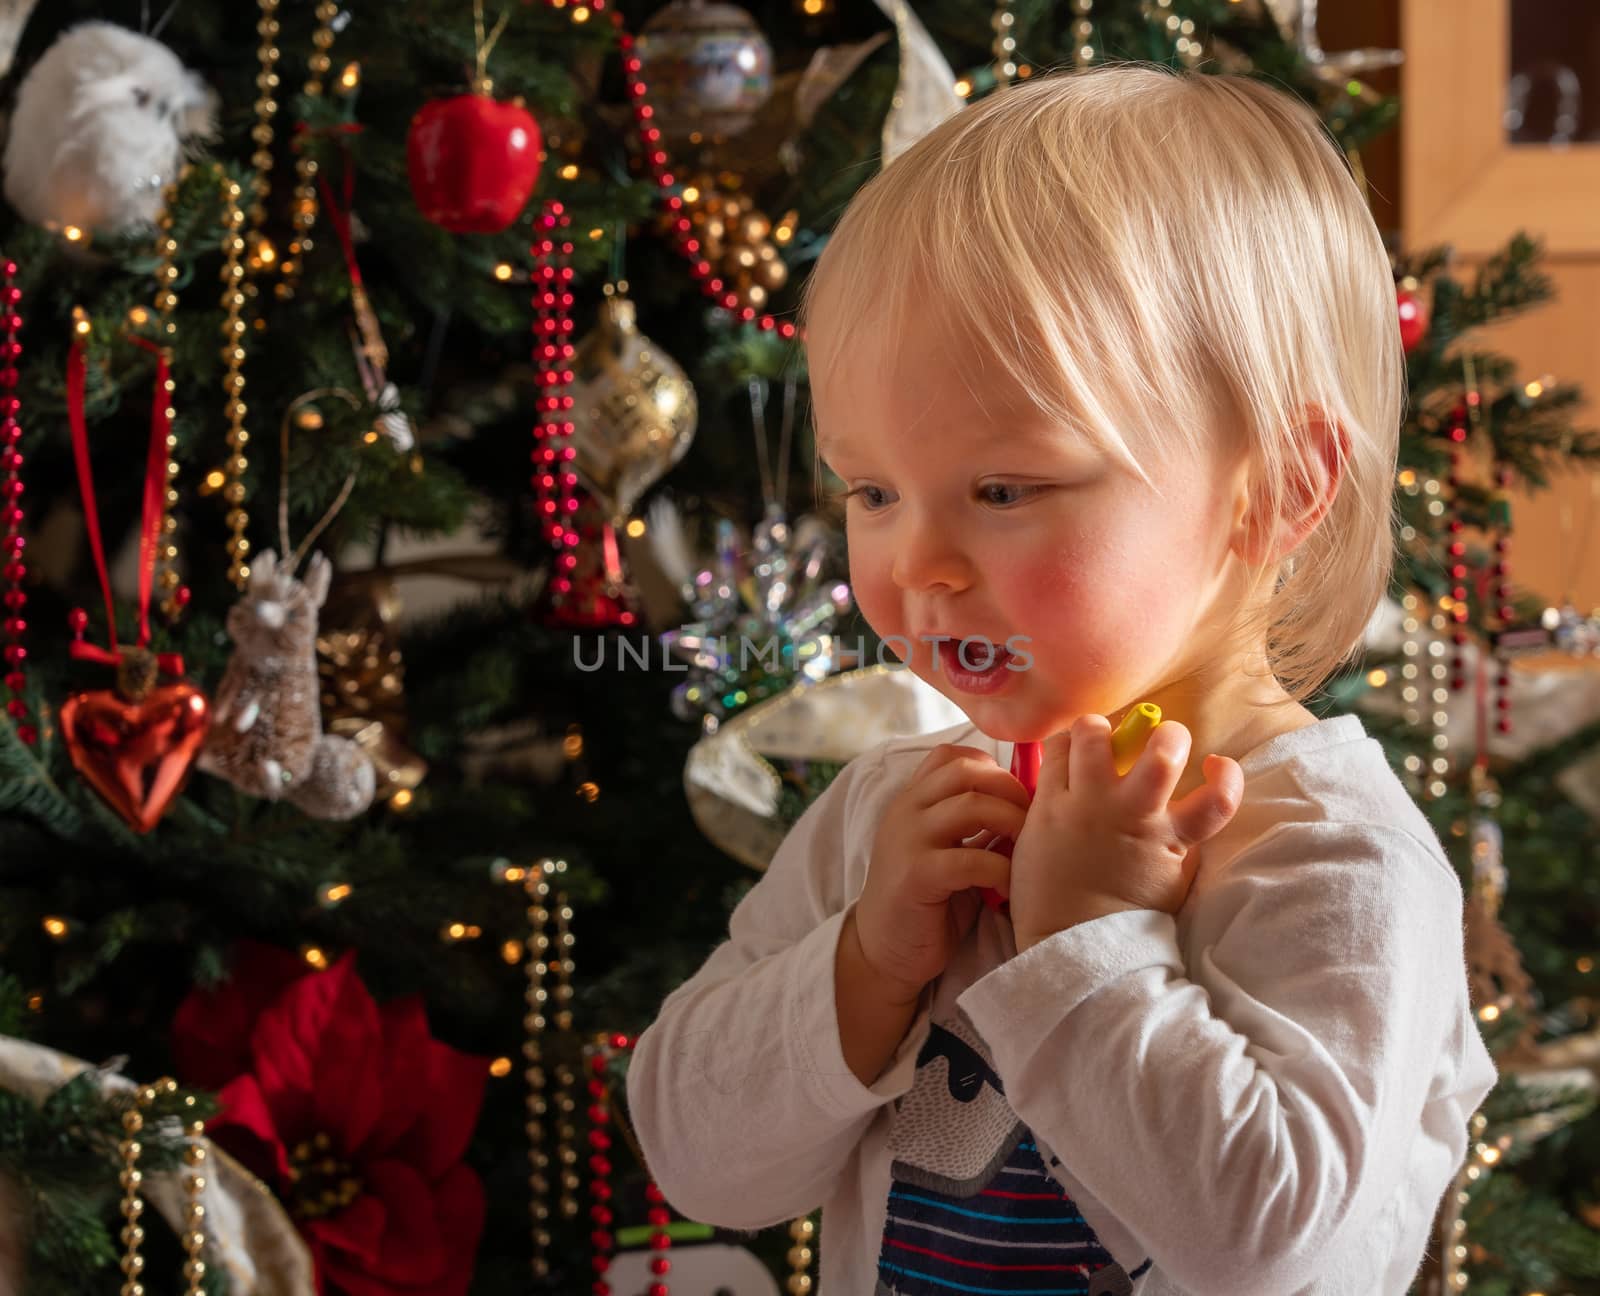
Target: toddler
[{"x": 1110, "y": 365}]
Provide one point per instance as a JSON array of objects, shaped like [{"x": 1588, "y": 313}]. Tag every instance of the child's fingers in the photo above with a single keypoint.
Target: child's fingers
[
  {"x": 956, "y": 818},
  {"x": 961, "y": 867},
  {"x": 1207, "y": 810},
  {"x": 1159, "y": 768},
  {"x": 956, "y": 777},
  {"x": 943, "y": 755},
  {"x": 1053, "y": 762},
  {"x": 1089, "y": 762}
]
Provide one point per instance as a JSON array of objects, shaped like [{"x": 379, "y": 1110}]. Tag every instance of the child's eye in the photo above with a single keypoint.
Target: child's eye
[
  {"x": 872, "y": 498},
  {"x": 1005, "y": 493}
]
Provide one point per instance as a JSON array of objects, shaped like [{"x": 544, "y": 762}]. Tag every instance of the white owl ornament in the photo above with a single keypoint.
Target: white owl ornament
[{"x": 101, "y": 126}]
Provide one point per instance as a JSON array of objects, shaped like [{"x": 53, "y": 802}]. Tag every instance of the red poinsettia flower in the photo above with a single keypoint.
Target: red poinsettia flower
[{"x": 353, "y": 1111}]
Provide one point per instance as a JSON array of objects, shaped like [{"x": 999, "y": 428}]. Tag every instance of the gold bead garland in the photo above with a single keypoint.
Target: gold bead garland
[
  {"x": 132, "y": 1178},
  {"x": 262, "y": 133},
  {"x": 802, "y": 1231},
  {"x": 603, "y": 1109},
  {"x": 233, "y": 355},
  {"x": 304, "y": 211},
  {"x": 537, "y": 886}
]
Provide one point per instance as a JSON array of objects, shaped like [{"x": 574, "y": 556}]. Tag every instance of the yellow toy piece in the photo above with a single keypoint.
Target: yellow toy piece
[{"x": 1129, "y": 737}]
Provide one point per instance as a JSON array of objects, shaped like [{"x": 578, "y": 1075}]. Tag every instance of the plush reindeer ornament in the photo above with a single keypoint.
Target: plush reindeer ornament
[{"x": 266, "y": 730}]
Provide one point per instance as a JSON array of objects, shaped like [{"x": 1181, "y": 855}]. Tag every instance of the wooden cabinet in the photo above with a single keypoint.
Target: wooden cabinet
[{"x": 1465, "y": 178}]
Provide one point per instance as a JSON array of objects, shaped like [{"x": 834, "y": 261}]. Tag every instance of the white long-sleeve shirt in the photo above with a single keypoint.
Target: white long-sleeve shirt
[{"x": 1266, "y": 1094}]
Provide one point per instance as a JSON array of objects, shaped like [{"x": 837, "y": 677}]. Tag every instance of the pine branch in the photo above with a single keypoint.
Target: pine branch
[{"x": 26, "y": 787}]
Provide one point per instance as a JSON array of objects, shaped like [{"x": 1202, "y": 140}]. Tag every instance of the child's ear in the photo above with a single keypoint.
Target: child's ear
[{"x": 1264, "y": 537}]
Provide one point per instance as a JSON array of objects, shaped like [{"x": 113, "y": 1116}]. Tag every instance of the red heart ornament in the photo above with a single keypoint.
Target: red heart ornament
[{"x": 137, "y": 755}]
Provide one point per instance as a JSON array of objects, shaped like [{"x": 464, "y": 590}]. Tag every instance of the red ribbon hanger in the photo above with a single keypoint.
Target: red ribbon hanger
[{"x": 155, "y": 485}]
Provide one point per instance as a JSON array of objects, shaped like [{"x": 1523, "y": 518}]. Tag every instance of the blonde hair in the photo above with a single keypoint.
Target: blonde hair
[{"x": 1154, "y": 257}]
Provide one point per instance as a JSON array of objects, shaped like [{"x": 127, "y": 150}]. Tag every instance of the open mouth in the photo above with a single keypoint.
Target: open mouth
[{"x": 974, "y": 665}]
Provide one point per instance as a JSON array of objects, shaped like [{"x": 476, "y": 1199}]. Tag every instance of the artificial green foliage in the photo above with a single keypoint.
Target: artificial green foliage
[{"x": 62, "y": 1159}]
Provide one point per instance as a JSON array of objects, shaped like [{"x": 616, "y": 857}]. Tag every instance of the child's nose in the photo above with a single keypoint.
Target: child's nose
[{"x": 927, "y": 554}]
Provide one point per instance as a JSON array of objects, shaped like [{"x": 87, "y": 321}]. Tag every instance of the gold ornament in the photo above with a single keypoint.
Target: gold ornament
[
  {"x": 363, "y": 679},
  {"x": 634, "y": 408},
  {"x": 708, "y": 66},
  {"x": 738, "y": 238}
]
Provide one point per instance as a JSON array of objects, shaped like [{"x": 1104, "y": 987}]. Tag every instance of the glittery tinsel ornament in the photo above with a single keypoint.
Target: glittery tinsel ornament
[{"x": 763, "y": 613}]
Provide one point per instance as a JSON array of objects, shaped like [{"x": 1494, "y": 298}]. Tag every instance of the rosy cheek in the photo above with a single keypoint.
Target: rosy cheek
[{"x": 874, "y": 590}]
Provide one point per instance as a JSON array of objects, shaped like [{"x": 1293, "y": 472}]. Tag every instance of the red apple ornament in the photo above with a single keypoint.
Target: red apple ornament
[{"x": 473, "y": 161}]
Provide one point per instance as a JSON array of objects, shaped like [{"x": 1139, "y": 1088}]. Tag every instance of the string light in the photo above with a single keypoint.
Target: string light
[
  {"x": 1004, "y": 49},
  {"x": 313, "y": 955},
  {"x": 1083, "y": 32},
  {"x": 503, "y": 870}
]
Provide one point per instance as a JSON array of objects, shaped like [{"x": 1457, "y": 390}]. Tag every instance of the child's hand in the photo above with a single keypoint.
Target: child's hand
[
  {"x": 1097, "y": 843},
  {"x": 918, "y": 902}
]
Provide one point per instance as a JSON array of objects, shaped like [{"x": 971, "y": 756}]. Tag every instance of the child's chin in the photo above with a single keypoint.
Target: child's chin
[{"x": 1004, "y": 719}]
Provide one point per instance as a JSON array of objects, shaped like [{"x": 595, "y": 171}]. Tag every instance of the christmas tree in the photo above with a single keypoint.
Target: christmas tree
[{"x": 480, "y": 321}]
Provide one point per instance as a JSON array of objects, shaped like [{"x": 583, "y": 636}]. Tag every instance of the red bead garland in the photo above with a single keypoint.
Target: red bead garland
[
  {"x": 660, "y": 164},
  {"x": 11, "y": 512},
  {"x": 601, "y": 1239},
  {"x": 1502, "y": 594},
  {"x": 554, "y": 480},
  {"x": 1458, "y": 566}
]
